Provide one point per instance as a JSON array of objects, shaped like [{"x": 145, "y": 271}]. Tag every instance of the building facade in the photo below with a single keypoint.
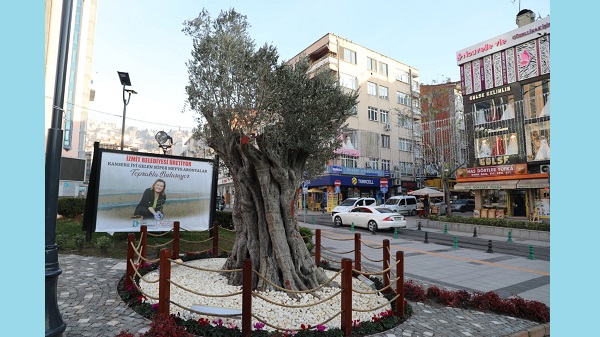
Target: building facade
[
  {"x": 382, "y": 143},
  {"x": 78, "y": 87},
  {"x": 506, "y": 93}
]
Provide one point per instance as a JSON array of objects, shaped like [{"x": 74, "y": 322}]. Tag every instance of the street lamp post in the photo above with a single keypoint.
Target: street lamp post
[{"x": 125, "y": 81}]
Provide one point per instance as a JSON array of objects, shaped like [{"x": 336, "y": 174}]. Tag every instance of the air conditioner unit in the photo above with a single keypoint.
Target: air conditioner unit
[
  {"x": 397, "y": 182},
  {"x": 544, "y": 168},
  {"x": 393, "y": 175},
  {"x": 387, "y": 127}
]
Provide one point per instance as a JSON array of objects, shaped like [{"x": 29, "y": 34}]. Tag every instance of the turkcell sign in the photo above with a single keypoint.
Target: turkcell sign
[{"x": 346, "y": 181}]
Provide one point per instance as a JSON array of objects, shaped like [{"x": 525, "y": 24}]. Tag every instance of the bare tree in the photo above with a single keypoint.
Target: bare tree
[{"x": 265, "y": 120}]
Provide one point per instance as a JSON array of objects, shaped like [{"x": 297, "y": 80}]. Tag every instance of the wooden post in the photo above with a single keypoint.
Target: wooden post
[
  {"x": 400, "y": 284},
  {"x": 215, "y": 233},
  {"x": 247, "y": 298},
  {"x": 346, "y": 300},
  {"x": 317, "y": 247},
  {"x": 386, "y": 265},
  {"x": 143, "y": 238},
  {"x": 164, "y": 288},
  {"x": 175, "y": 240},
  {"x": 129, "y": 270}
]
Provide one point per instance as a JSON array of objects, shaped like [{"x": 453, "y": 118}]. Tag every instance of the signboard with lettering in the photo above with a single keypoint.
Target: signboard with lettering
[
  {"x": 124, "y": 186},
  {"x": 491, "y": 171}
]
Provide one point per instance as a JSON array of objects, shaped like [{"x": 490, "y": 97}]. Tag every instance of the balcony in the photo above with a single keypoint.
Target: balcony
[{"x": 328, "y": 61}]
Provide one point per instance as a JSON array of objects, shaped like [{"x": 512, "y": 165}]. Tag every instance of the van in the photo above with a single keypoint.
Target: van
[
  {"x": 350, "y": 203},
  {"x": 403, "y": 204}
]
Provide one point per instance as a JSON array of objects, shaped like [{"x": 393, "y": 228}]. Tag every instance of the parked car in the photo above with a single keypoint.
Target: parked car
[
  {"x": 403, "y": 204},
  {"x": 462, "y": 205},
  {"x": 350, "y": 203},
  {"x": 373, "y": 218}
]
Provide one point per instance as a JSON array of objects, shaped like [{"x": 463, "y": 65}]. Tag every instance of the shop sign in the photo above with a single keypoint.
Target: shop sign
[
  {"x": 409, "y": 185},
  {"x": 491, "y": 171}
]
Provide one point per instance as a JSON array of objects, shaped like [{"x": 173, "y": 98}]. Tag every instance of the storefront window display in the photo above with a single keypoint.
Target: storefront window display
[
  {"x": 536, "y": 99},
  {"x": 542, "y": 201},
  {"x": 494, "y": 199},
  {"x": 498, "y": 145},
  {"x": 495, "y": 109},
  {"x": 537, "y": 137}
]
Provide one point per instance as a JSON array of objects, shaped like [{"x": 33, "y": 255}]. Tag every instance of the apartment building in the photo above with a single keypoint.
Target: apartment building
[
  {"x": 382, "y": 143},
  {"x": 78, "y": 87},
  {"x": 505, "y": 82}
]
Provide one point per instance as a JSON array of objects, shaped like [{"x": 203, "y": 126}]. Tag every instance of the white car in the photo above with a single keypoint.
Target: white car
[{"x": 373, "y": 218}]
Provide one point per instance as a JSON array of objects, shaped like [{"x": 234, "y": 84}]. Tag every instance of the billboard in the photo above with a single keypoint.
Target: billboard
[{"x": 130, "y": 189}]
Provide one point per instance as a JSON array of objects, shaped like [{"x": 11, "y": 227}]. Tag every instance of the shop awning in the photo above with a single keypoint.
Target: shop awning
[
  {"x": 533, "y": 183},
  {"x": 487, "y": 185}
]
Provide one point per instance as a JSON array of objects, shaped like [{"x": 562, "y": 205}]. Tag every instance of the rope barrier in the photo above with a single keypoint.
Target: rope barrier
[
  {"x": 161, "y": 244},
  {"x": 163, "y": 234},
  {"x": 296, "y": 306},
  {"x": 363, "y": 255},
  {"x": 188, "y": 241},
  {"x": 377, "y": 308},
  {"x": 372, "y": 247},
  {"x": 203, "y": 294},
  {"x": 140, "y": 275},
  {"x": 297, "y": 291},
  {"x": 204, "y": 269},
  {"x": 341, "y": 253},
  {"x": 330, "y": 238},
  {"x": 141, "y": 291}
]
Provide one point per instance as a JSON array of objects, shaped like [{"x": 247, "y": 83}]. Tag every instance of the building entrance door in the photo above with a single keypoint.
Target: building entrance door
[{"x": 517, "y": 201}]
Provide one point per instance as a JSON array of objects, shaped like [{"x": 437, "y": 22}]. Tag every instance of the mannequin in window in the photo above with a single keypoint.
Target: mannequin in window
[
  {"x": 543, "y": 152},
  {"x": 546, "y": 110},
  {"x": 348, "y": 143},
  {"x": 499, "y": 148},
  {"x": 512, "y": 145},
  {"x": 481, "y": 117},
  {"x": 509, "y": 113},
  {"x": 484, "y": 149},
  {"x": 494, "y": 114}
]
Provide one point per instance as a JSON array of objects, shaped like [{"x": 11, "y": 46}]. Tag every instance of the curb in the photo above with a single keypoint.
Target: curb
[{"x": 537, "y": 331}]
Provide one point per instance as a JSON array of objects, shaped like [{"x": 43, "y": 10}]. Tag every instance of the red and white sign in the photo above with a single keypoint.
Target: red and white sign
[
  {"x": 491, "y": 171},
  {"x": 337, "y": 183},
  {"x": 383, "y": 182}
]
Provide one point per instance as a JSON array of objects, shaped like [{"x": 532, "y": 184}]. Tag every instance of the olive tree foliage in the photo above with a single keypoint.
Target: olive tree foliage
[{"x": 265, "y": 120}]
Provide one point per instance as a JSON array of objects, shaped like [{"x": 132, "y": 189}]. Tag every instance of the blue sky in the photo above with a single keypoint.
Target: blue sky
[{"x": 144, "y": 38}]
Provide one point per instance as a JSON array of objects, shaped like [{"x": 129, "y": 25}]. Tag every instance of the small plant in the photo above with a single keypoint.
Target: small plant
[
  {"x": 79, "y": 241},
  {"x": 62, "y": 240},
  {"x": 307, "y": 235},
  {"x": 104, "y": 243}
]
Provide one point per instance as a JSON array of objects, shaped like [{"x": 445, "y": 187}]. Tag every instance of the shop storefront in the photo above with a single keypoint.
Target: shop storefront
[{"x": 336, "y": 188}]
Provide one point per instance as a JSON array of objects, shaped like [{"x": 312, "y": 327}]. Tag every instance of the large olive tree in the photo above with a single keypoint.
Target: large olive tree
[{"x": 265, "y": 120}]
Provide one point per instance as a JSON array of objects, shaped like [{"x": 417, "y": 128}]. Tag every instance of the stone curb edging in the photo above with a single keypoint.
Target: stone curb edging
[
  {"x": 542, "y": 330},
  {"x": 526, "y": 234}
]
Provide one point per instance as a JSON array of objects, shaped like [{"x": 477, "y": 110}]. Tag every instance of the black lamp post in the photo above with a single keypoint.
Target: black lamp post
[
  {"x": 54, "y": 325},
  {"x": 125, "y": 81}
]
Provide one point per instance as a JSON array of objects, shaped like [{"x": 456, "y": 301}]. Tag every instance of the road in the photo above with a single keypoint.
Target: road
[{"x": 469, "y": 242}]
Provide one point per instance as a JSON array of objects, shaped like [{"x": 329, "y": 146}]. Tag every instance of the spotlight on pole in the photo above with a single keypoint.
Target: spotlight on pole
[
  {"x": 125, "y": 81},
  {"x": 164, "y": 141}
]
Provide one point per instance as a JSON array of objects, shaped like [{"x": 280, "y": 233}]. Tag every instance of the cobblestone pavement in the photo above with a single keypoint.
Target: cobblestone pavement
[{"x": 90, "y": 306}]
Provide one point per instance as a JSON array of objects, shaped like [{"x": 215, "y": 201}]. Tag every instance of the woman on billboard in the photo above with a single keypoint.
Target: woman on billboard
[{"x": 152, "y": 201}]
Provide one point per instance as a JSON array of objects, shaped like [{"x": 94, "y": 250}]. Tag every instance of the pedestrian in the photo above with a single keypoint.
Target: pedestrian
[
  {"x": 426, "y": 206},
  {"x": 323, "y": 205}
]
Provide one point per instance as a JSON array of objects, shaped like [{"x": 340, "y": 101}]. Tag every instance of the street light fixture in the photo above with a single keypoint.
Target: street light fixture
[
  {"x": 125, "y": 81},
  {"x": 164, "y": 141}
]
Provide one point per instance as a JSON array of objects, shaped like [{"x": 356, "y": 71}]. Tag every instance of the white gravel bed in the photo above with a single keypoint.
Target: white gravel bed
[{"x": 291, "y": 318}]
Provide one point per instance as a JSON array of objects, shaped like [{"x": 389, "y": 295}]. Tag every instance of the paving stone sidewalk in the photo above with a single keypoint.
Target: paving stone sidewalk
[{"x": 90, "y": 306}]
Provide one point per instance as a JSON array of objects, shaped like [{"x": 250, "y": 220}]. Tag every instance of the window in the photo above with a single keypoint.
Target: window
[
  {"x": 354, "y": 110},
  {"x": 385, "y": 141},
  {"x": 383, "y": 68},
  {"x": 371, "y": 64},
  {"x": 349, "y": 55},
  {"x": 401, "y": 76},
  {"x": 404, "y": 121},
  {"x": 415, "y": 86},
  {"x": 385, "y": 164},
  {"x": 406, "y": 168},
  {"x": 373, "y": 163},
  {"x": 348, "y": 81},
  {"x": 348, "y": 161},
  {"x": 372, "y": 113},
  {"x": 384, "y": 116},
  {"x": 383, "y": 92},
  {"x": 404, "y": 144},
  {"x": 403, "y": 98},
  {"x": 372, "y": 88},
  {"x": 536, "y": 97}
]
